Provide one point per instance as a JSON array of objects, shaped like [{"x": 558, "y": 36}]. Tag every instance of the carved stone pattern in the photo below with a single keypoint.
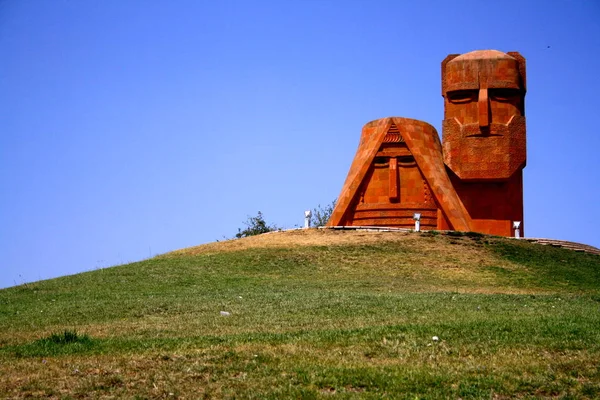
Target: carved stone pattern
[
  {"x": 427, "y": 193},
  {"x": 393, "y": 135},
  {"x": 472, "y": 180}
]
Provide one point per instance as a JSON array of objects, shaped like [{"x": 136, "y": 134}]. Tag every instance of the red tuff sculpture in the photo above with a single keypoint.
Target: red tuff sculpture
[
  {"x": 484, "y": 136},
  {"x": 470, "y": 182}
]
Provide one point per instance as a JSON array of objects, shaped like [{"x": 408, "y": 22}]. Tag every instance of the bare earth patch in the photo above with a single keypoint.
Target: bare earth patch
[
  {"x": 447, "y": 257},
  {"x": 302, "y": 237}
]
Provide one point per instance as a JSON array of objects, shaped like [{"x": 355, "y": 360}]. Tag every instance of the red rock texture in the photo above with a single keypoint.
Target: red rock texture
[
  {"x": 484, "y": 136},
  {"x": 471, "y": 181},
  {"x": 398, "y": 170}
]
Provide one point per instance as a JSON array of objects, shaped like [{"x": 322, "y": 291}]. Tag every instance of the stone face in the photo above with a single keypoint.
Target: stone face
[
  {"x": 398, "y": 170},
  {"x": 471, "y": 181},
  {"x": 484, "y": 122},
  {"x": 484, "y": 135}
]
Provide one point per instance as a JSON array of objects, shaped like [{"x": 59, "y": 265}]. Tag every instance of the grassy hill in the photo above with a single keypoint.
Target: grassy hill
[{"x": 313, "y": 314}]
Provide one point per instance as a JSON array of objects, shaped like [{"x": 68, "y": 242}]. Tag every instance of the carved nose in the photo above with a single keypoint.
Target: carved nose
[{"x": 484, "y": 105}]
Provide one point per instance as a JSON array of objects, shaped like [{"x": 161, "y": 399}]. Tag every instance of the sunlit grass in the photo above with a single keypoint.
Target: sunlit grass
[{"x": 354, "y": 319}]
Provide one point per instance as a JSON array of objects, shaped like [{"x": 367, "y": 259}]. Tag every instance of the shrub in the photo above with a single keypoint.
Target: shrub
[
  {"x": 320, "y": 215},
  {"x": 255, "y": 226}
]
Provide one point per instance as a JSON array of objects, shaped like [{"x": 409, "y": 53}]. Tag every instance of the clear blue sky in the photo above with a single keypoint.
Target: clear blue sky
[{"x": 131, "y": 128}]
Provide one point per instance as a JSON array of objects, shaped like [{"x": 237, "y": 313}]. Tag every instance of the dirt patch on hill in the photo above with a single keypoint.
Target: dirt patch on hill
[
  {"x": 455, "y": 258},
  {"x": 299, "y": 237},
  {"x": 323, "y": 237}
]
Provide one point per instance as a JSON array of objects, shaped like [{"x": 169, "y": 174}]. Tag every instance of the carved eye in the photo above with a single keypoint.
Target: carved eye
[
  {"x": 380, "y": 162},
  {"x": 406, "y": 161},
  {"x": 505, "y": 94},
  {"x": 462, "y": 96}
]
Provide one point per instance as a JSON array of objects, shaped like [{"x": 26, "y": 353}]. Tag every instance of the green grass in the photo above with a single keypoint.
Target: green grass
[
  {"x": 67, "y": 342},
  {"x": 514, "y": 320}
]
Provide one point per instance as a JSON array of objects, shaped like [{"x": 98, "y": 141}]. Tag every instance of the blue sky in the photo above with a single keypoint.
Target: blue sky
[{"x": 131, "y": 128}]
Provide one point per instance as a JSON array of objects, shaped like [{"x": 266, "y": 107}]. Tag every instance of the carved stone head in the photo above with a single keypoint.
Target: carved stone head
[{"x": 484, "y": 114}]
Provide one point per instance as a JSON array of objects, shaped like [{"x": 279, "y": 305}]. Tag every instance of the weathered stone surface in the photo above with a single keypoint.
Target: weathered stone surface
[
  {"x": 471, "y": 181},
  {"x": 484, "y": 136}
]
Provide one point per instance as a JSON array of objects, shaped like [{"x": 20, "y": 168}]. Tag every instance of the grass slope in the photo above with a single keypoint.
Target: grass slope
[{"x": 313, "y": 314}]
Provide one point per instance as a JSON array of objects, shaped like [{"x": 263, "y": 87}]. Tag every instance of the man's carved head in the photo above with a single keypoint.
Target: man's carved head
[{"x": 484, "y": 123}]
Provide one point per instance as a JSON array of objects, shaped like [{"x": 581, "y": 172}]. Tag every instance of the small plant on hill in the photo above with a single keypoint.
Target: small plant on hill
[
  {"x": 320, "y": 215},
  {"x": 255, "y": 226},
  {"x": 66, "y": 342},
  {"x": 66, "y": 337}
]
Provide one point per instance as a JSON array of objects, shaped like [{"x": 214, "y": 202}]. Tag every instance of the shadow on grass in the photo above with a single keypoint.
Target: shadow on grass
[{"x": 549, "y": 267}]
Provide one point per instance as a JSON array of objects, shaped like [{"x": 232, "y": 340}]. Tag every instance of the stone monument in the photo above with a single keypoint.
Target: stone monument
[
  {"x": 472, "y": 181},
  {"x": 484, "y": 136}
]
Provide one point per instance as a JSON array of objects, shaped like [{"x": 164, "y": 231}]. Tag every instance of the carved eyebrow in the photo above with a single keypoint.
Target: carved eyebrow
[
  {"x": 503, "y": 84},
  {"x": 464, "y": 92},
  {"x": 504, "y": 90},
  {"x": 453, "y": 87}
]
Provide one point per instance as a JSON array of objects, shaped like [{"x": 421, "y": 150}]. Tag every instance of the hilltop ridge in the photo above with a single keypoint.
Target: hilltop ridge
[{"x": 311, "y": 314}]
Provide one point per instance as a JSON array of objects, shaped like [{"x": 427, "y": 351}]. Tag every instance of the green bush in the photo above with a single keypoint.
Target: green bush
[
  {"x": 320, "y": 215},
  {"x": 255, "y": 226}
]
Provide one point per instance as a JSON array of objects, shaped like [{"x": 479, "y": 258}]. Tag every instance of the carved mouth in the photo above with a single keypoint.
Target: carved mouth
[
  {"x": 493, "y": 130},
  {"x": 474, "y": 130}
]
